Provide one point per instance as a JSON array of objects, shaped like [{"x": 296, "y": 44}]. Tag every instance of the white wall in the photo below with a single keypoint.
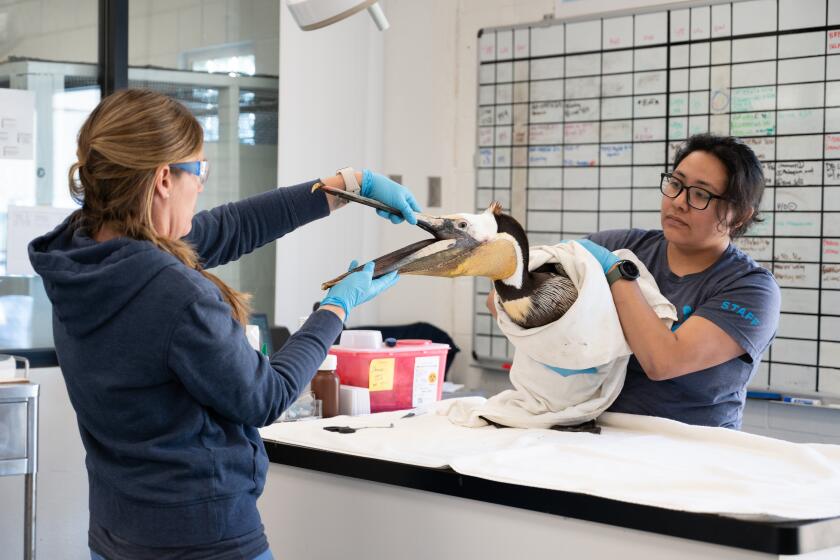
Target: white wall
[{"x": 330, "y": 116}]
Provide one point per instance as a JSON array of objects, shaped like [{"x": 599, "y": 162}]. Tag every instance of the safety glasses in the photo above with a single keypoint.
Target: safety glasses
[{"x": 198, "y": 168}]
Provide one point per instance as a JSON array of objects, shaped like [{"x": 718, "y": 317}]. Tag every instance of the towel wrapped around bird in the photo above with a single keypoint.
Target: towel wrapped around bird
[
  {"x": 555, "y": 307},
  {"x": 569, "y": 371}
]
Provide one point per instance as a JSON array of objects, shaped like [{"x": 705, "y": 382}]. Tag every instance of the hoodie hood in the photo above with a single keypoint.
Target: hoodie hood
[{"x": 89, "y": 282}]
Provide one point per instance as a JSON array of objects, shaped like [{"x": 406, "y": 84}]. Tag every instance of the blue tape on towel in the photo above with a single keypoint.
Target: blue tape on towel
[{"x": 567, "y": 372}]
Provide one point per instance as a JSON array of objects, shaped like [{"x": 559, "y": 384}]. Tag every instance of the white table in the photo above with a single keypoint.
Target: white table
[{"x": 323, "y": 505}]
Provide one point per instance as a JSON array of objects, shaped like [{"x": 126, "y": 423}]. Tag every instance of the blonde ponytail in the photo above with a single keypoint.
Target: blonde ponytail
[{"x": 126, "y": 138}]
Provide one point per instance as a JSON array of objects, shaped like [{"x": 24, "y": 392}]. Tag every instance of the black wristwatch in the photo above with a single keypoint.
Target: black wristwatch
[{"x": 623, "y": 269}]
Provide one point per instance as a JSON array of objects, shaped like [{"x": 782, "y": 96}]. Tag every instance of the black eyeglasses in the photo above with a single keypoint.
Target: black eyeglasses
[{"x": 698, "y": 198}]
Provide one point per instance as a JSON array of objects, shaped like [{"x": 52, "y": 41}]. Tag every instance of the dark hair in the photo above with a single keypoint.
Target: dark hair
[{"x": 745, "y": 177}]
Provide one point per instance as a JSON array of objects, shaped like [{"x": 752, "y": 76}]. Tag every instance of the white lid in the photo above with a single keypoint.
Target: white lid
[
  {"x": 329, "y": 363},
  {"x": 361, "y": 339},
  {"x": 7, "y": 367},
  {"x": 388, "y": 350}
]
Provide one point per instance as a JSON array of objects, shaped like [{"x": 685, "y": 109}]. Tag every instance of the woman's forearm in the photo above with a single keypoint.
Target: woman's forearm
[
  {"x": 653, "y": 344},
  {"x": 339, "y": 312},
  {"x": 338, "y": 182}
]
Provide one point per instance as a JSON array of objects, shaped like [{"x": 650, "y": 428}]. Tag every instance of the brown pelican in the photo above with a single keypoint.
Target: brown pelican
[{"x": 491, "y": 244}]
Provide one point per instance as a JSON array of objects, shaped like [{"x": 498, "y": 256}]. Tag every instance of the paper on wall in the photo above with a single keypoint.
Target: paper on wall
[{"x": 17, "y": 120}]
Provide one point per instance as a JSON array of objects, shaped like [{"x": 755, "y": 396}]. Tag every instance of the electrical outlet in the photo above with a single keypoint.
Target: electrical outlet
[{"x": 435, "y": 197}]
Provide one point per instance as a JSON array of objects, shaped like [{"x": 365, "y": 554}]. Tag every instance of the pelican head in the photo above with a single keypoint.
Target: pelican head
[{"x": 462, "y": 245}]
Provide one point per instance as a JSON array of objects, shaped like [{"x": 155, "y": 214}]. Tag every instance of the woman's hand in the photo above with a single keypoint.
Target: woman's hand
[
  {"x": 386, "y": 191},
  {"x": 603, "y": 255},
  {"x": 357, "y": 288}
]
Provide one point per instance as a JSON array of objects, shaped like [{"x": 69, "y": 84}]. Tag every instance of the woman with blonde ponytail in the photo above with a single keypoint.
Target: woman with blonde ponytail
[{"x": 167, "y": 391}]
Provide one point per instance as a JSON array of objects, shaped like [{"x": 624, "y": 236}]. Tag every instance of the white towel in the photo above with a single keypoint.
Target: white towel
[
  {"x": 636, "y": 459},
  {"x": 587, "y": 337},
  {"x": 665, "y": 463},
  {"x": 428, "y": 440}
]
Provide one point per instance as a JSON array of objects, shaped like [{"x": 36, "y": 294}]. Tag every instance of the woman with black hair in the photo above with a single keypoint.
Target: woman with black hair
[{"x": 728, "y": 306}]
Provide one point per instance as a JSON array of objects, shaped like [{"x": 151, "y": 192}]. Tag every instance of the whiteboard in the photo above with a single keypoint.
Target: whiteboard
[{"x": 576, "y": 119}]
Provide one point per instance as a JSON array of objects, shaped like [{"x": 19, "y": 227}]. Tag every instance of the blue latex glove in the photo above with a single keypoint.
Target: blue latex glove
[
  {"x": 603, "y": 255},
  {"x": 358, "y": 288},
  {"x": 386, "y": 191}
]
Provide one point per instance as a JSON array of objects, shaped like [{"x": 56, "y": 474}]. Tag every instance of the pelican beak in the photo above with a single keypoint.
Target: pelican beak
[{"x": 462, "y": 245}]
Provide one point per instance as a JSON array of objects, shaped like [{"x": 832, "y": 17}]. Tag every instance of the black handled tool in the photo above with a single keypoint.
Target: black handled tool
[
  {"x": 349, "y": 430},
  {"x": 422, "y": 222},
  {"x": 341, "y": 193}
]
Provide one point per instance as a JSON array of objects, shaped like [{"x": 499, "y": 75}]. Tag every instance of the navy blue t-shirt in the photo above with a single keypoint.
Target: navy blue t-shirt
[{"x": 737, "y": 295}]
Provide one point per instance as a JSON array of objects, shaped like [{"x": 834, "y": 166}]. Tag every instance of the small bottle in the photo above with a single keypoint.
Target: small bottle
[{"x": 325, "y": 386}]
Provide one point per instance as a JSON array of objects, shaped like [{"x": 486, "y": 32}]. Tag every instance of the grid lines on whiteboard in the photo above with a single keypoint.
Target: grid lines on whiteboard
[{"x": 576, "y": 120}]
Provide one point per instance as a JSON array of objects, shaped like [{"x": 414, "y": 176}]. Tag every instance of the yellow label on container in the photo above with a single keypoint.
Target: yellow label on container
[{"x": 381, "y": 374}]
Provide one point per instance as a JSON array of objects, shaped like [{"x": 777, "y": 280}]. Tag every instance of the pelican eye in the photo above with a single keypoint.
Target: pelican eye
[{"x": 462, "y": 225}]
